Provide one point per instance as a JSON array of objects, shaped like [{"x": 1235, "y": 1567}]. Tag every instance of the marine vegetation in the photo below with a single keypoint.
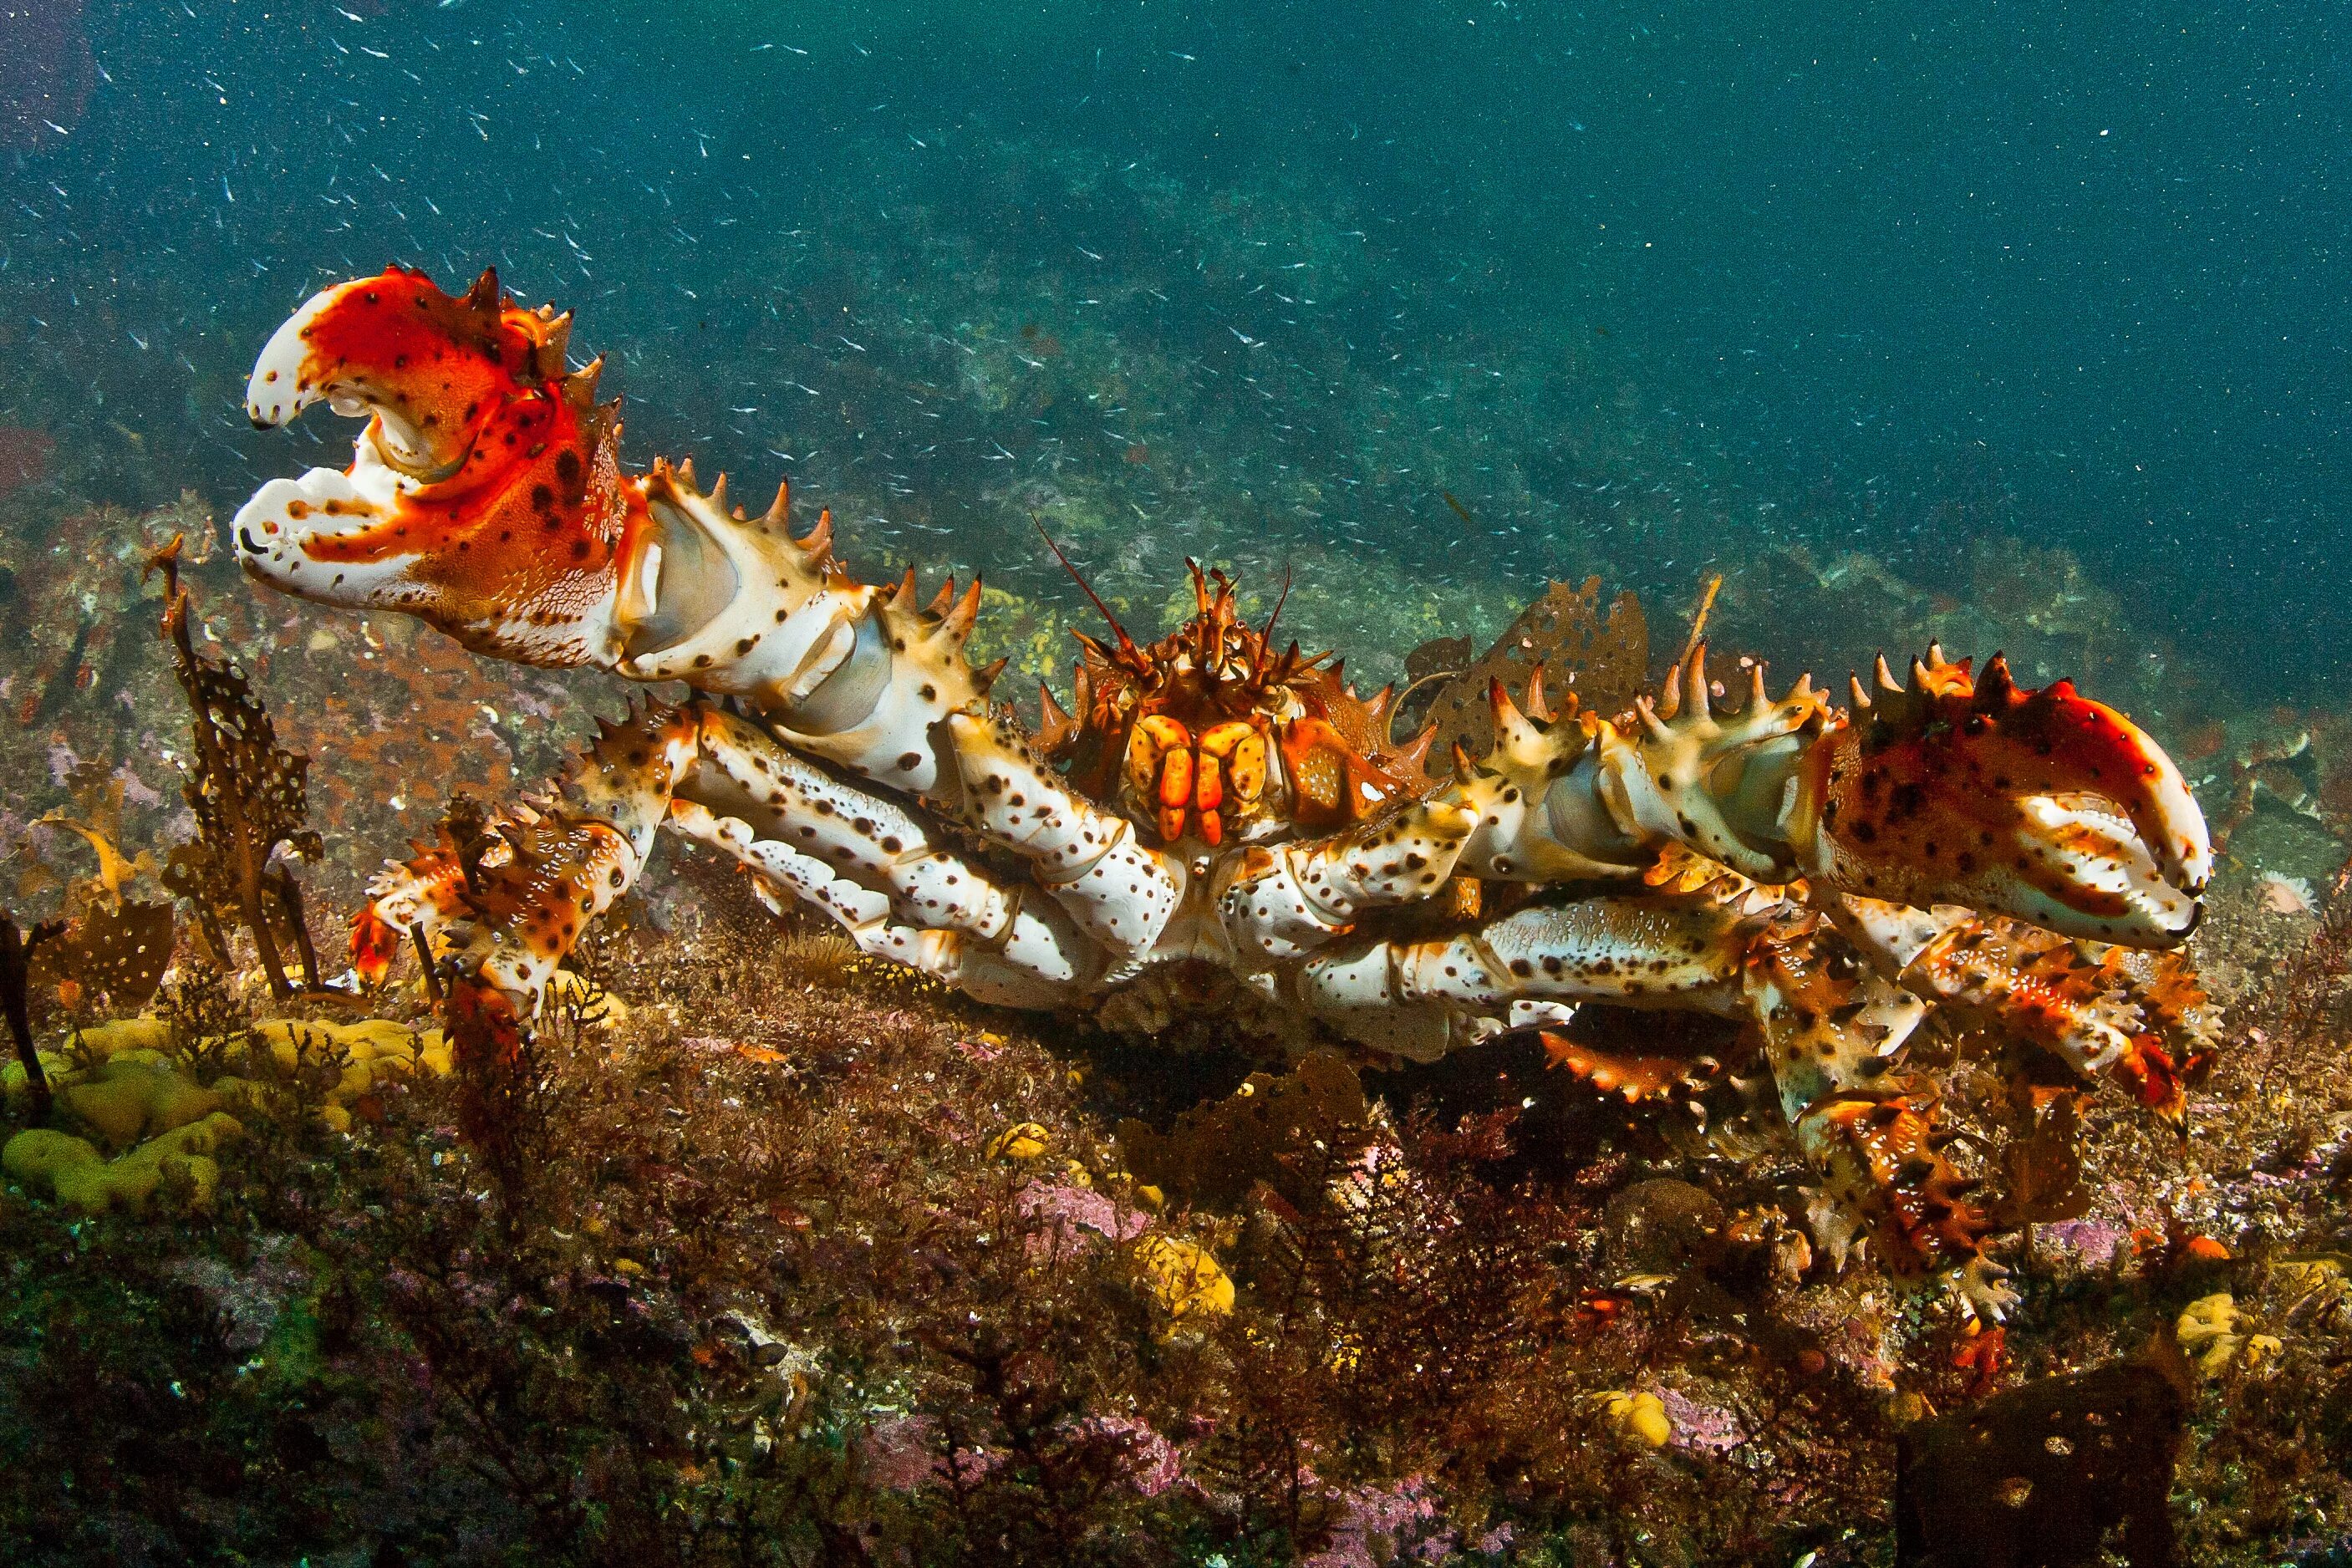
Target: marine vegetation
[
  {"x": 1217, "y": 821},
  {"x": 755, "y": 1247}
]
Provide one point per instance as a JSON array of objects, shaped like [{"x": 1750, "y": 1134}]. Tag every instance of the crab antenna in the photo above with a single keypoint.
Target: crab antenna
[
  {"x": 1266, "y": 636},
  {"x": 1126, "y": 643}
]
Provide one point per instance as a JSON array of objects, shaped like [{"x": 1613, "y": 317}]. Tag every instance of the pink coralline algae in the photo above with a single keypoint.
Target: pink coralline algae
[
  {"x": 46, "y": 75},
  {"x": 1065, "y": 1209},
  {"x": 1702, "y": 1428},
  {"x": 1150, "y": 1463},
  {"x": 2095, "y": 1242},
  {"x": 901, "y": 1454},
  {"x": 1376, "y": 1525}
]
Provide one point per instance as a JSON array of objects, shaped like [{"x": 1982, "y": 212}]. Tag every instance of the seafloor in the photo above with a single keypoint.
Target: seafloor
[{"x": 766, "y": 1253}]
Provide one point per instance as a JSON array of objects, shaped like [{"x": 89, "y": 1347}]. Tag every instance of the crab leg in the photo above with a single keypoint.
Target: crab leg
[
  {"x": 1290, "y": 901},
  {"x": 554, "y": 867},
  {"x": 1120, "y": 892},
  {"x": 720, "y": 779},
  {"x": 871, "y": 862},
  {"x": 1959, "y": 788},
  {"x": 1633, "y": 952},
  {"x": 1034, "y": 968},
  {"x": 2138, "y": 1016}
]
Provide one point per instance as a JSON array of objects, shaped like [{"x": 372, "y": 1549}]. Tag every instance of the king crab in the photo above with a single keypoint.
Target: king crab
[{"x": 1211, "y": 806}]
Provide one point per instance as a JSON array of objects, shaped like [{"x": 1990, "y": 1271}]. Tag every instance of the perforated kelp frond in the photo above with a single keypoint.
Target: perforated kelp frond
[{"x": 247, "y": 794}]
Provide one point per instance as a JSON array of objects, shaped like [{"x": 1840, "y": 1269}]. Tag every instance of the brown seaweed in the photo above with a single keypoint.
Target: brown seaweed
[
  {"x": 1600, "y": 658},
  {"x": 247, "y": 794},
  {"x": 1218, "y": 1150},
  {"x": 17, "y": 946}
]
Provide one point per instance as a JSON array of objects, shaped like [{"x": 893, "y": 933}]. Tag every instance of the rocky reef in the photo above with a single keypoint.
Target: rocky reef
[{"x": 753, "y": 1250}]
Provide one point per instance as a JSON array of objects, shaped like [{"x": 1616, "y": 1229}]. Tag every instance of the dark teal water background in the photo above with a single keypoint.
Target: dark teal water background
[{"x": 1875, "y": 275}]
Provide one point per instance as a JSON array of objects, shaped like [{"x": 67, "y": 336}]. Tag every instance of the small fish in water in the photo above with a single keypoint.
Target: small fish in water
[{"x": 1459, "y": 510}]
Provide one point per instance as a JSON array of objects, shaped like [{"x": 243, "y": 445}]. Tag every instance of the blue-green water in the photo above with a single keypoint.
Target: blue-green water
[{"x": 1646, "y": 287}]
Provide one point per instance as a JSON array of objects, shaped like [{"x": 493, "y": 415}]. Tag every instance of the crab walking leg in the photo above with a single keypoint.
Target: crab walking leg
[
  {"x": 748, "y": 780},
  {"x": 422, "y": 897},
  {"x": 2089, "y": 1006},
  {"x": 1289, "y": 901},
  {"x": 1634, "y": 951},
  {"x": 1834, "y": 1025},
  {"x": 1006, "y": 978},
  {"x": 570, "y": 860},
  {"x": 1120, "y": 892}
]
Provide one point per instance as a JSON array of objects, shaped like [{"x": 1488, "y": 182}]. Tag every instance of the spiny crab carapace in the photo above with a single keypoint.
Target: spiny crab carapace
[{"x": 1212, "y": 817}]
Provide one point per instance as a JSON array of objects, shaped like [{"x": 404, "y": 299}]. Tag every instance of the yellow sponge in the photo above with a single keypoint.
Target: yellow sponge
[
  {"x": 112, "y": 1038},
  {"x": 72, "y": 1170},
  {"x": 373, "y": 1043},
  {"x": 1184, "y": 1279},
  {"x": 34, "y": 1155},
  {"x": 125, "y": 1100},
  {"x": 59, "y": 1070}
]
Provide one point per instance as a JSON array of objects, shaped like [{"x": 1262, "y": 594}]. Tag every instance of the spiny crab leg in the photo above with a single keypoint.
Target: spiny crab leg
[
  {"x": 1120, "y": 891},
  {"x": 1634, "y": 951},
  {"x": 1293, "y": 900},
  {"x": 2044, "y": 806},
  {"x": 720, "y": 779},
  {"x": 748, "y": 782},
  {"x": 1007, "y": 977}
]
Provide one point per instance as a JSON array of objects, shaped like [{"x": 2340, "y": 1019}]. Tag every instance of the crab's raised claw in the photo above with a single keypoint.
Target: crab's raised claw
[
  {"x": 484, "y": 494},
  {"x": 2042, "y": 805}
]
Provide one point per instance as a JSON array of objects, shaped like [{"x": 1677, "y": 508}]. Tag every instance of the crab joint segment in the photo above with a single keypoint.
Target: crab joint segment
[
  {"x": 1290, "y": 901},
  {"x": 1634, "y": 951},
  {"x": 956, "y": 957},
  {"x": 862, "y": 841},
  {"x": 1119, "y": 892},
  {"x": 567, "y": 861}
]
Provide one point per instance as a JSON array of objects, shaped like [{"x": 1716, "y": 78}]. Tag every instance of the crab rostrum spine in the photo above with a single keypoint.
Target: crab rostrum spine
[{"x": 1209, "y": 803}]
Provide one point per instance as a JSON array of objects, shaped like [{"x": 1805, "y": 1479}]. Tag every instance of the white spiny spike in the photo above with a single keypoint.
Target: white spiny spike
[
  {"x": 1511, "y": 727},
  {"x": 1648, "y": 713},
  {"x": 1918, "y": 671},
  {"x": 1701, "y": 708},
  {"x": 1536, "y": 708},
  {"x": 1885, "y": 677},
  {"x": 1670, "y": 700},
  {"x": 1861, "y": 696},
  {"x": 818, "y": 544},
  {"x": 962, "y": 615},
  {"x": 1756, "y": 699}
]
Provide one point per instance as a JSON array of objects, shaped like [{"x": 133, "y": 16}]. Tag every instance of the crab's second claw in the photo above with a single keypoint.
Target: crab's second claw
[
  {"x": 2041, "y": 805},
  {"x": 484, "y": 494},
  {"x": 428, "y": 365}
]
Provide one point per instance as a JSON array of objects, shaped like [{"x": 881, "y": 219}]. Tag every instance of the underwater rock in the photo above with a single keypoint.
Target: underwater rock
[
  {"x": 1662, "y": 1227},
  {"x": 24, "y": 452},
  {"x": 2039, "y": 1476}
]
